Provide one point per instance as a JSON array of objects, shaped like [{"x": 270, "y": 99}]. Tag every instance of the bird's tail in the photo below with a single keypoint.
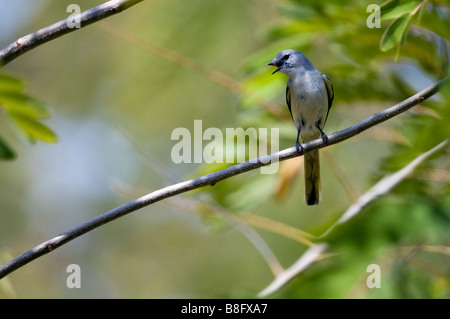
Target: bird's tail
[{"x": 312, "y": 177}]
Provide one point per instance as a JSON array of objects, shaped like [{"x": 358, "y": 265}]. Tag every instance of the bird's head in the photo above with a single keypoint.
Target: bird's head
[{"x": 291, "y": 61}]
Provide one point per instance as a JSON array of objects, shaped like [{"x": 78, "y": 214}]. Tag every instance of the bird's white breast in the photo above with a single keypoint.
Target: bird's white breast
[{"x": 309, "y": 103}]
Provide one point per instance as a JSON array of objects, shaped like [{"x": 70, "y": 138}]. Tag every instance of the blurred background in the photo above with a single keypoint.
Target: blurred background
[{"x": 114, "y": 92}]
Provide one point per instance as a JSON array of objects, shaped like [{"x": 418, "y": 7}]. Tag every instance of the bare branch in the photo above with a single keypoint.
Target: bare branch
[
  {"x": 237, "y": 223},
  {"x": 382, "y": 187},
  {"x": 204, "y": 209},
  {"x": 213, "y": 178},
  {"x": 316, "y": 251},
  {"x": 310, "y": 256},
  {"x": 60, "y": 28},
  {"x": 194, "y": 66}
]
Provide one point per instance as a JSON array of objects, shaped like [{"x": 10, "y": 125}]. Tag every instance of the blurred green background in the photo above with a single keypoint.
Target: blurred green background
[{"x": 115, "y": 93}]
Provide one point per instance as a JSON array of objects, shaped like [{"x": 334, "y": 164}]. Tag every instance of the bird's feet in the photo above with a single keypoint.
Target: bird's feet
[
  {"x": 324, "y": 137},
  {"x": 299, "y": 147}
]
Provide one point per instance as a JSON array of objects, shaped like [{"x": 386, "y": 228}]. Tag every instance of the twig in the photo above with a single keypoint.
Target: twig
[
  {"x": 257, "y": 241},
  {"x": 237, "y": 223},
  {"x": 310, "y": 256},
  {"x": 194, "y": 66},
  {"x": 60, "y": 28},
  {"x": 205, "y": 209},
  {"x": 344, "y": 180},
  {"x": 445, "y": 250},
  {"x": 315, "y": 251},
  {"x": 382, "y": 187},
  {"x": 214, "y": 178}
]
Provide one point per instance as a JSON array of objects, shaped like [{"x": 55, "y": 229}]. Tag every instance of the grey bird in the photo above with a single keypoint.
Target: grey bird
[{"x": 309, "y": 95}]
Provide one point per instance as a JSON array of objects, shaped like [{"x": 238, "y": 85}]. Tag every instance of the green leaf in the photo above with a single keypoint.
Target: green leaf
[
  {"x": 395, "y": 33},
  {"x": 297, "y": 11},
  {"x": 33, "y": 129},
  {"x": 10, "y": 84},
  {"x": 6, "y": 153},
  {"x": 25, "y": 112},
  {"x": 396, "y": 8},
  {"x": 22, "y": 104}
]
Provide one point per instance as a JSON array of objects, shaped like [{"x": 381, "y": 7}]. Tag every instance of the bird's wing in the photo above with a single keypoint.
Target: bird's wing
[
  {"x": 330, "y": 91},
  {"x": 288, "y": 99}
]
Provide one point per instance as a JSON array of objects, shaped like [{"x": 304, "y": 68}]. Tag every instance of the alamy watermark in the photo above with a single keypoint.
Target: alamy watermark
[
  {"x": 74, "y": 279},
  {"x": 220, "y": 149},
  {"x": 212, "y": 146},
  {"x": 374, "y": 19},
  {"x": 74, "y": 20},
  {"x": 374, "y": 279}
]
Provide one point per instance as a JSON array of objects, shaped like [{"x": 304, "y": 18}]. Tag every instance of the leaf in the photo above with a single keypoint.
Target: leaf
[
  {"x": 397, "y": 8},
  {"x": 25, "y": 112},
  {"x": 22, "y": 104},
  {"x": 33, "y": 129},
  {"x": 395, "y": 33},
  {"x": 10, "y": 84},
  {"x": 383, "y": 187},
  {"x": 6, "y": 153},
  {"x": 297, "y": 11}
]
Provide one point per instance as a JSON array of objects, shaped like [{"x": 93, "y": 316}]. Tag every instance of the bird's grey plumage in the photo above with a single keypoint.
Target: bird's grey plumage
[{"x": 309, "y": 95}]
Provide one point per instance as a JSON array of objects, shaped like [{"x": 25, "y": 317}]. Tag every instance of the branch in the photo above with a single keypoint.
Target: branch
[
  {"x": 382, "y": 187},
  {"x": 60, "y": 28},
  {"x": 315, "y": 252},
  {"x": 194, "y": 66},
  {"x": 237, "y": 223},
  {"x": 213, "y": 178},
  {"x": 310, "y": 256}
]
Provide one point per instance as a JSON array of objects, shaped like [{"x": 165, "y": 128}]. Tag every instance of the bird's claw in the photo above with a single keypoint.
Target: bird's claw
[{"x": 299, "y": 147}]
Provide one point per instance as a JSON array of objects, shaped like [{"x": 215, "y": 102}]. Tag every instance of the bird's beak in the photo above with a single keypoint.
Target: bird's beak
[{"x": 278, "y": 65}]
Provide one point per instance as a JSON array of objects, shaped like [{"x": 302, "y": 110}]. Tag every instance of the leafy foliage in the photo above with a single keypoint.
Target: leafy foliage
[
  {"x": 24, "y": 112},
  {"x": 361, "y": 64},
  {"x": 405, "y": 232}
]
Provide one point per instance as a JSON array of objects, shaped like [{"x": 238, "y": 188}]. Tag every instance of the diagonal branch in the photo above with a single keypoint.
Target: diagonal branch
[
  {"x": 214, "y": 178},
  {"x": 192, "y": 65},
  {"x": 60, "y": 28},
  {"x": 237, "y": 223},
  {"x": 315, "y": 251},
  {"x": 308, "y": 257},
  {"x": 381, "y": 188}
]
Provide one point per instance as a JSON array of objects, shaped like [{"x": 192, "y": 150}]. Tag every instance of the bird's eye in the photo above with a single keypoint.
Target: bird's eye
[{"x": 286, "y": 56}]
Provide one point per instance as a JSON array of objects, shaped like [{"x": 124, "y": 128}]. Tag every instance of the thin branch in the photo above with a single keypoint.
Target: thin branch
[
  {"x": 310, "y": 256},
  {"x": 257, "y": 241},
  {"x": 196, "y": 206},
  {"x": 63, "y": 27},
  {"x": 382, "y": 187},
  {"x": 213, "y": 178},
  {"x": 445, "y": 250},
  {"x": 344, "y": 180},
  {"x": 316, "y": 251},
  {"x": 205, "y": 209},
  {"x": 35, "y": 39},
  {"x": 194, "y": 66},
  {"x": 277, "y": 227},
  {"x": 241, "y": 221}
]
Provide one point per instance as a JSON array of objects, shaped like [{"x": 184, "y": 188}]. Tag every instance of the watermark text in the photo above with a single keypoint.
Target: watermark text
[{"x": 212, "y": 146}]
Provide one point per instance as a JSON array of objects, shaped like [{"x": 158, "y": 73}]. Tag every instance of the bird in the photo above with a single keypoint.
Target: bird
[{"x": 309, "y": 95}]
